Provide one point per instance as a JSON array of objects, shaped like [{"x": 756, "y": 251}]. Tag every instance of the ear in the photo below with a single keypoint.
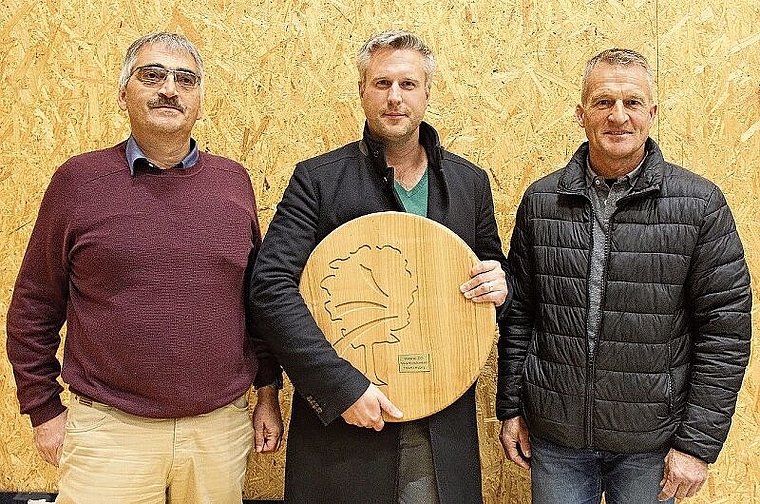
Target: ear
[
  {"x": 579, "y": 115},
  {"x": 652, "y": 114},
  {"x": 361, "y": 89},
  {"x": 121, "y": 99}
]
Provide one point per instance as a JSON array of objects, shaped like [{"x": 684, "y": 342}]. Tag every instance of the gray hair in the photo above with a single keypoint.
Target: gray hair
[
  {"x": 174, "y": 41},
  {"x": 617, "y": 57},
  {"x": 395, "y": 39}
]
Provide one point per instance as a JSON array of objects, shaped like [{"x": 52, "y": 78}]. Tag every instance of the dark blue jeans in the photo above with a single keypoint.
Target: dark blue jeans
[{"x": 569, "y": 476}]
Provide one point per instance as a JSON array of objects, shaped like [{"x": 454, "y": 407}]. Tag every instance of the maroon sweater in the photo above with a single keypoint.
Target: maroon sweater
[{"x": 148, "y": 272}]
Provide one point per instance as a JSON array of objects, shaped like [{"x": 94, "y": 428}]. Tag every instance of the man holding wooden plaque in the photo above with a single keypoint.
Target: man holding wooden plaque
[{"x": 340, "y": 448}]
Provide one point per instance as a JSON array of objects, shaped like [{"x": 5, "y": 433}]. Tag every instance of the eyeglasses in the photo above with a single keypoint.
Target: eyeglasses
[{"x": 153, "y": 75}]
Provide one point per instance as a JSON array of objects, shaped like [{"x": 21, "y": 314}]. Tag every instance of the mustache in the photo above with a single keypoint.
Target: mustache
[{"x": 166, "y": 102}]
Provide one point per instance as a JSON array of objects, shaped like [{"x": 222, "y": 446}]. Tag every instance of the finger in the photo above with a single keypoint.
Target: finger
[
  {"x": 525, "y": 447},
  {"x": 273, "y": 441},
  {"x": 509, "y": 444},
  {"x": 480, "y": 274},
  {"x": 681, "y": 493},
  {"x": 268, "y": 443},
  {"x": 58, "y": 455},
  {"x": 45, "y": 454},
  {"x": 497, "y": 295},
  {"x": 514, "y": 456},
  {"x": 696, "y": 488},
  {"x": 478, "y": 290},
  {"x": 484, "y": 267},
  {"x": 668, "y": 491},
  {"x": 687, "y": 489},
  {"x": 683, "y": 490},
  {"x": 390, "y": 408},
  {"x": 467, "y": 287},
  {"x": 378, "y": 424},
  {"x": 258, "y": 440}
]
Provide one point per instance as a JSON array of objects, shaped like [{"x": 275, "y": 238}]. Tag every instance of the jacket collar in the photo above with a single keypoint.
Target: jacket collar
[
  {"x": 374, "y": 149},
  {"x": 572, "y": 179},
  {"x": 438, "y": 194}
]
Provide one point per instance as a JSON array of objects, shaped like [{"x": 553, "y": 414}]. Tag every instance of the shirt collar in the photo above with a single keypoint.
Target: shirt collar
[
  {"x": 135, "y": 154},
  {"x": 629, "y": 177}
]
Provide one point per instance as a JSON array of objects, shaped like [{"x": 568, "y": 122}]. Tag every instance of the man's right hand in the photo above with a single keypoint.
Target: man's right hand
[
  {"x": 48, "y": 438},
  {"x": 368, "y": 410},
  {"x": 514, "y": 435}
]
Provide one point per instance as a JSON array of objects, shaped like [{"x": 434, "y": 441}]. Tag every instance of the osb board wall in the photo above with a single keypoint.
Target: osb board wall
[{"x": 282, "y": 87}]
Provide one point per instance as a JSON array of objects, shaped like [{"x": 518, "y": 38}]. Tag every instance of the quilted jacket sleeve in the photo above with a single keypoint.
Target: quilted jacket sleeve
[
  {"x": 719, "y": 297},
  {"x": 516, "y": 326}
]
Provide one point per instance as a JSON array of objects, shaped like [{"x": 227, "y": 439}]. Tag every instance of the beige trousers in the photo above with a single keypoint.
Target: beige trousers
[{"x": 114, "y": 457}]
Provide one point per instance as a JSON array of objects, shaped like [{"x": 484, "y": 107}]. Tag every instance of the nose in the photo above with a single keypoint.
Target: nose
[
  {"x": 169, "y": 87},
  {"x": 618, "y": 113},
  {"x": 394, "y": 93}
]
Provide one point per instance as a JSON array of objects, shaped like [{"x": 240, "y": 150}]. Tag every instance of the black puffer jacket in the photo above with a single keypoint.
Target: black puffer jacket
[{"x": 674, "y": 337}]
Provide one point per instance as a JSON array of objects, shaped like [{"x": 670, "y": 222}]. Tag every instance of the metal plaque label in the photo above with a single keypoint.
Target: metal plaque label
[{"x": 414, "y": 363}]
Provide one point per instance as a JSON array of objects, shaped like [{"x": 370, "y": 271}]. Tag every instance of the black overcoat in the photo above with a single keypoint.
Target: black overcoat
[{"x": 327, "y": 459}]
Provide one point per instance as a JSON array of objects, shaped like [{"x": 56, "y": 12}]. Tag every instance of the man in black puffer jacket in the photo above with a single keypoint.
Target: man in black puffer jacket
[{"x": 623, "y": 351}]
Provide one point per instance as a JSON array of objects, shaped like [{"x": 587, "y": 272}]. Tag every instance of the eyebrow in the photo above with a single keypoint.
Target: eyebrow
[
  {"x": 626, "y": 96},
  {"x": 386, "y": 77},
  {"x": 159, "y": 65}
]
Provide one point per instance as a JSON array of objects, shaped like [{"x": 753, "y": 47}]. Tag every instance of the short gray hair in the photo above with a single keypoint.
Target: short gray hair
[
  {"x": 617, "y": 57},
  {"x": 174, "y": 41},
  {"x": 395, "y": 39}
]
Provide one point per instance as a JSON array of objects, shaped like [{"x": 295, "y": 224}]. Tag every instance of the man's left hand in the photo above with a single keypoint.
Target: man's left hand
[
  {"x": 487, "y": 284},
  {"x": 684, "y": 475},
  {"x": 267, "y": 421}
]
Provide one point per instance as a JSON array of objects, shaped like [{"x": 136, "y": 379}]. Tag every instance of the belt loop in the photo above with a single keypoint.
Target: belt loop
[{"x": 85, "y": 401}]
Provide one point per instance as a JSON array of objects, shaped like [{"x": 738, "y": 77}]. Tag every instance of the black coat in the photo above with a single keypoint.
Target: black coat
[
  {"x": 674, "y": 336},
  {"x": 327, "y": 459}
]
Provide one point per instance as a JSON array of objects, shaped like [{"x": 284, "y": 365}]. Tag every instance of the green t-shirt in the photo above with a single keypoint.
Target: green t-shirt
[{"x": 414, "y": 200}]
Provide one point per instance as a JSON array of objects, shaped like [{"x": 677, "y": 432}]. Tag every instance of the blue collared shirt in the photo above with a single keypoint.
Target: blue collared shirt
[{"x": 135, "y": 154}]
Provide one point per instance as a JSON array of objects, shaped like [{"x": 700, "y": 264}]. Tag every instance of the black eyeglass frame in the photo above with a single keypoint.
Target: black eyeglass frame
[{"x": 163, "y": 74}]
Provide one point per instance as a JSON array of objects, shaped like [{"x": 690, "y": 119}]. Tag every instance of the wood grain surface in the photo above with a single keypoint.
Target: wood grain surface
[
  {"x": 384, "y": 288},
  {"x": 281, "y": 86}
]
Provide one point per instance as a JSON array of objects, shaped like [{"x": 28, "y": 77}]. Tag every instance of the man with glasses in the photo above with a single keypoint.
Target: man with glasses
[{"x": 142, "y": 250}]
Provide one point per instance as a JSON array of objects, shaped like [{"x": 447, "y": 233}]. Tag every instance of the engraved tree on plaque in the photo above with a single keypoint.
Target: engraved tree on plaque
[{"x": 370, "y": 301}]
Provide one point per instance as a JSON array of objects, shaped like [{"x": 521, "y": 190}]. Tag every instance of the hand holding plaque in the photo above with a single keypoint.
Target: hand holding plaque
[{"x": 384, "y": 288}]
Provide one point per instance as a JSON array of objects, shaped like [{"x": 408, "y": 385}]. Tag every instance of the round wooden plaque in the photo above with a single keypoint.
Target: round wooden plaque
[{"x": 384, "y": 288}]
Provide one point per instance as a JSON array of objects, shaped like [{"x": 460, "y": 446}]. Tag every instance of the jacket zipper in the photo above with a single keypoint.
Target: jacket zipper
[{"x": 594, "y": 345}]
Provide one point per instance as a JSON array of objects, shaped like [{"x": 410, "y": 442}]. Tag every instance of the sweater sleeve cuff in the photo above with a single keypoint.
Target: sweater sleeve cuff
[{"x": 47, "y": 411}]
